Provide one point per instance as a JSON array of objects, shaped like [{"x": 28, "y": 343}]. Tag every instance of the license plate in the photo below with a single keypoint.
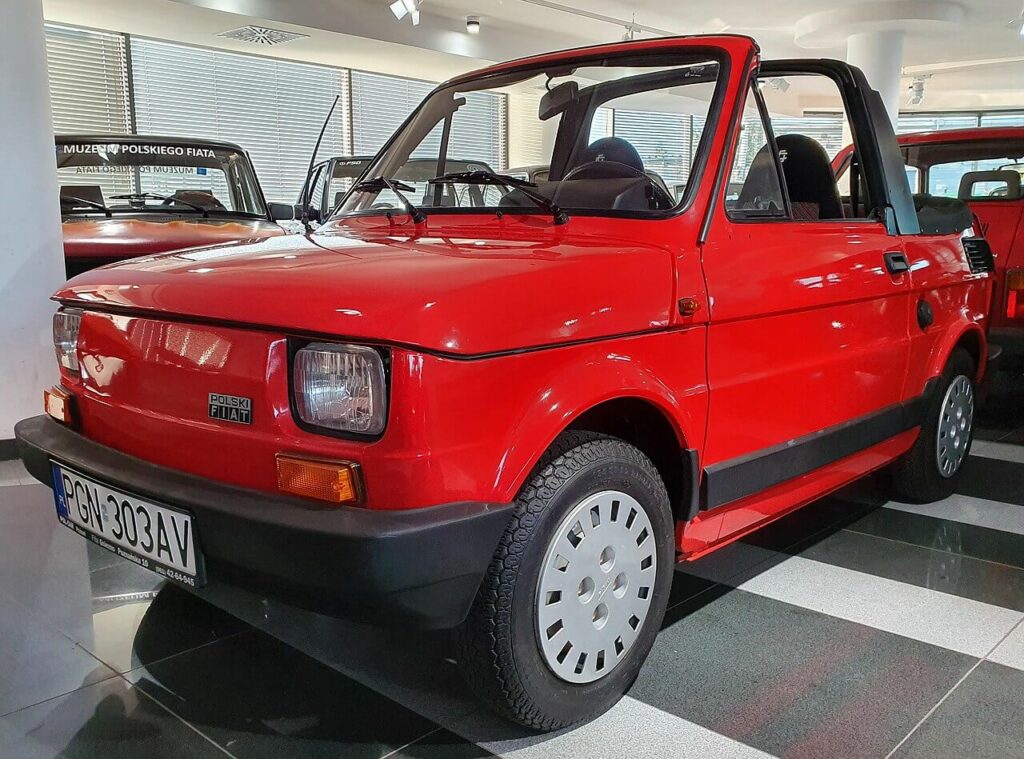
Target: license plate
[{"x": 153, "y": 536}]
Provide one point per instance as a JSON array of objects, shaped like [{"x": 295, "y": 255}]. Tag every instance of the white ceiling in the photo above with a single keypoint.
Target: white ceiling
[{"x": 977, "y": 63}]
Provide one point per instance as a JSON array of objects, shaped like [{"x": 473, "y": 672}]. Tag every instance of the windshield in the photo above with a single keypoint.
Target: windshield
[
  {"x": 612, "y": 134},
  {"x": 415, "y": 172},
  {"x": 138, "y": 177}
]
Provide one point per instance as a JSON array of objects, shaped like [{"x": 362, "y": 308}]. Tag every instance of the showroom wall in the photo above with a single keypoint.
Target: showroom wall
[{"x": 111, "y": 82}]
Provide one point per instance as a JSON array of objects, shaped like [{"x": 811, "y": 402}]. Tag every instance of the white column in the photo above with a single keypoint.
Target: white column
[
  {"x": 31, "y": 251},
  {"x": 880, "y": 56}
]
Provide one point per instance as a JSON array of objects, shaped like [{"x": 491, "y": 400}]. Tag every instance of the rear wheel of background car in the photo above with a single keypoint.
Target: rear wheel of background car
[
  {"x": 931, "y": 469},
  {"x": 578, "y": 587}
]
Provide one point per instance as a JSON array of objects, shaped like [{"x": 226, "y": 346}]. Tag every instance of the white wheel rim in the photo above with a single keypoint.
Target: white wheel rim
[
  {"x": 956, "y": 416},
  {"x": 595, "y": 586}
]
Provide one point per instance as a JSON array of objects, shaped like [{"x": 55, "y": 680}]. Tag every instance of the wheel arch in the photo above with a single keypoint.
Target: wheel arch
[{"x": 653, "y": 424}]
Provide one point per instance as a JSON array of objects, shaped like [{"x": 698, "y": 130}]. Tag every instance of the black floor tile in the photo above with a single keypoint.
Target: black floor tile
[
  {"x": 981, "y": 719},
  {"x": 37, "y": 663},
  {"x": 793, "y": 682},
  {"x": 941, "y": 567},
  {"x": 258, "y": 697},
  {"x": 993, "y": 479},
  {"x": 109, "y": 720},
  {"x": 442, "y": 744},
  {"x": 944, "y": 534}
]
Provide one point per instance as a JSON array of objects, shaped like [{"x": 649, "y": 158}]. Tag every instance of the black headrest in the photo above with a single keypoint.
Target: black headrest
[
  {"x": 809, "y": 177},
  {"x": 1004, "y": 177},
  {"x": 612, "y": 149}
]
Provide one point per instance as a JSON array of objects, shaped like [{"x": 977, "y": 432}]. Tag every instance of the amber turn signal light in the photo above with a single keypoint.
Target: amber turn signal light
[
  {"x": 57, "y": 402},
  {"x": 337, "y": 482}
]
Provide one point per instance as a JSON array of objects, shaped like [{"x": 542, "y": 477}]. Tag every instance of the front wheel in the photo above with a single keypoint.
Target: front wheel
[
  {"x": 578, "y": 587},
  {"x": 931, "y": 469}
]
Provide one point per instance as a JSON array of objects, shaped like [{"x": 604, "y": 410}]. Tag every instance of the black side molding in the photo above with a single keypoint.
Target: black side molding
[{"x": 738, "y": 478}]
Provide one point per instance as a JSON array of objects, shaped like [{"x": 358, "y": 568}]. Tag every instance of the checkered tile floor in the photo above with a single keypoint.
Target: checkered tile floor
[{"x": 855, "y": 627}]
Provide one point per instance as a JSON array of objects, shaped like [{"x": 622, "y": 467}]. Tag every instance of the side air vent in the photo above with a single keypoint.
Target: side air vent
[
  {"x": 979, "y": 254},
  {"x": 261, "y": 35}
]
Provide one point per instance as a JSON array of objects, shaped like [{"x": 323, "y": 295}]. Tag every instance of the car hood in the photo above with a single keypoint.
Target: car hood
[
  {"x": 117, "y": 238},
  {"x": 443, "y": 288}
]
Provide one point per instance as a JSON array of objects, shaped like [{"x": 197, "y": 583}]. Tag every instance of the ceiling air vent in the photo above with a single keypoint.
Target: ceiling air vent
[{"x": 261, "y": 35}]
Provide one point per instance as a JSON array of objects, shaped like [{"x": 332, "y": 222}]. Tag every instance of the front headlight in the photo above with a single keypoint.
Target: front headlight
[
  {"x": 340, "y": 387},
  {"x": 65, "y": 338}
]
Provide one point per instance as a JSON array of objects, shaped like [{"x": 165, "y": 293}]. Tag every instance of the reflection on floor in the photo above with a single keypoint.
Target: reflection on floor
[{"x": 853, "y": 628}]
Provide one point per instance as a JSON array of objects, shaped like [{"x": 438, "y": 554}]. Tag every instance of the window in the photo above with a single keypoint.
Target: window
[
  {"x": 380, "y": 104},
  {"x": 754, "y": 190},
  {"x": 133, "y": 176},
  {"x": 88, "y": 76},
  {"x": 649, "y": 106},
  {"x": 944, "y": 178},
  {"x": 807, "y": 142},
  {"x": 273, "y": 109}
]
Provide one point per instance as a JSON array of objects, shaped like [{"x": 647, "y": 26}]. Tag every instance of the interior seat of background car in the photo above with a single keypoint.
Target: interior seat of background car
[
  {"x": 605, "y": 159},
  {"x": 1011, "y": 180}
]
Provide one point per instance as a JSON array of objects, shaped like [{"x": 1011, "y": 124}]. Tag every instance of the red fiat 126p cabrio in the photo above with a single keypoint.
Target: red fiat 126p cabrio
[{"x": 516, "y": 416}]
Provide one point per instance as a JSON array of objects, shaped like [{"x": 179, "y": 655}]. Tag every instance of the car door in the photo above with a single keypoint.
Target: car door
[{"x": 808, "y": 330}]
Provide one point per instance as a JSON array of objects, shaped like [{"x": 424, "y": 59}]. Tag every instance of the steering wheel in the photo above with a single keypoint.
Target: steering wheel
[
  {"x": 616, "y": 170},
  {"x": 605, "y": 170},
  {"x": 381, "y": 206}
]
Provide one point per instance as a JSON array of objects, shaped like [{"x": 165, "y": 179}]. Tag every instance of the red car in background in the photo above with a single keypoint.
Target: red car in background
[
  {"x": 985, "y": 169},
  {"x": 123, "y": 196},
  {"x": 515, "y": 416}
]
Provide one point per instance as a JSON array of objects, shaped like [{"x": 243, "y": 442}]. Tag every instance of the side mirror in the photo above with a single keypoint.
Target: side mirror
[{"x": 284, "y": 211}]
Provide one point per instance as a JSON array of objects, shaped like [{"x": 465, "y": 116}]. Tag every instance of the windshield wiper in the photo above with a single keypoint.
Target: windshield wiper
[
  {"x": 165, "y": 198},
  {"x": 528, "y": 189},
  {"x": 89, "y": 203},
  {"x": 383, "y": 183}
]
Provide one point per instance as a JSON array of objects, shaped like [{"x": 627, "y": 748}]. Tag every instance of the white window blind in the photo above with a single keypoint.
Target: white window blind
[
  {"x": 272, "y": 108},
  {"x": 1002, "y": 119},
  {"x": 380, "y": 104},
  {"x": 935, "y": 122},
  {"x": 825, "y": 128},
  {"x": 88, "y": 76},
  {"x": 665, "y": 141}
]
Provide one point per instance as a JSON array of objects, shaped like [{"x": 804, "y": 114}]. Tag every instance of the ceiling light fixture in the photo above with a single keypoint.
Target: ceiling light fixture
[
  {"x": 632, "y": 29},
  {"x": 403, "y": 8},
  {"x": 915, "y": 92},
  {"x": 473, "y": 24}
]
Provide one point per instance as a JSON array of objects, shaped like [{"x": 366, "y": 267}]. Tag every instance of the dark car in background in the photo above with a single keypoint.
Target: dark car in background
[{"x": 123, "y": 196}]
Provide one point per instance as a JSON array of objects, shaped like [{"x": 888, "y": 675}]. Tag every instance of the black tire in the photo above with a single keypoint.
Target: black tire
[
  {"x": 916, "y": 476},
  {"x": 499, "y": 650}
]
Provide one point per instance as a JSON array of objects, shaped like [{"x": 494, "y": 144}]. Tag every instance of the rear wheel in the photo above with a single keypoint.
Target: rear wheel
[
  {"x": 577, "y": 590},
  {"x": 931, "y": 469}
]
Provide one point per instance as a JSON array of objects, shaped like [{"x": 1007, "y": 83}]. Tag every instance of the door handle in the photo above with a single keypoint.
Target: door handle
[{"x": 896, "y": 263}]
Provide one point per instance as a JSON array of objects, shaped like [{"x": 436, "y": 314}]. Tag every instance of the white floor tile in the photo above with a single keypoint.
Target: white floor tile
[
  {"x": 1003, "y": 451},
  {"x": 13, "y": 473},
  {"x": 956, "y": 623},
  {"x": 1011, "y": 651},
  {"x": 629, "y": 729},
  {"x": 982, "y": 512}
]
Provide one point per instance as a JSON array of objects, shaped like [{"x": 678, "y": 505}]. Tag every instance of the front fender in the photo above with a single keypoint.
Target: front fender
[{"x": 666, "y": 370}]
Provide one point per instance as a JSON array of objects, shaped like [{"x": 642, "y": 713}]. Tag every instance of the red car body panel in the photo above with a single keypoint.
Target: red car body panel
[
  {"x": 465, "y": 287},
  {"x": 1001, "y": 221},
  {"x": 103, "y": 241},
  {"x": 503, "y": 331}
]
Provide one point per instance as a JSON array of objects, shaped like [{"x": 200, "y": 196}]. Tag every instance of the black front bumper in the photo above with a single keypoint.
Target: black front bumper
[{"x": 418, "y": 567}]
